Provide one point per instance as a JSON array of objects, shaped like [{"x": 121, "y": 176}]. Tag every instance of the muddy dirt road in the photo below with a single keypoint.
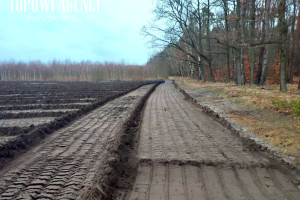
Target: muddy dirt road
[
  {"x": 185, "y": 154},
  {"x": 179, "y": 153},
  {"x": 68, "y": 163}
]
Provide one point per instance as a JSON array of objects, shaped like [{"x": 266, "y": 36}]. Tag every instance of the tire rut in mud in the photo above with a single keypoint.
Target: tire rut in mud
[
  {"x": 185, "y": 154},
  {"x": 122, "y": 166},
  {"x": 21, "y": 139},
  {"x": 188, "y": 182},
  {"x": 75, "y": 159}
]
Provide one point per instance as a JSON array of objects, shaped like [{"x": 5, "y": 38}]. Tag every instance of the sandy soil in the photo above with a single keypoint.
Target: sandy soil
[
  {"x": 185, "y": 154},
  {"x": 263, "y": 113},
  {"x": 176, "y": 153},
  {"x": 55, "y": 106},
  {"x": 208, "y": 182},
  {"x": 25, "y": 122},
  {"x": 68, "y": 162},
  {"x": 37, "y": 111},
  {"x": 175, "y": 130}
]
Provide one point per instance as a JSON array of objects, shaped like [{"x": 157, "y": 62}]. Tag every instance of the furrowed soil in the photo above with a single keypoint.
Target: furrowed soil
[
  {"x": 185, "y": 154},
  {"x": 69, "y": 162},
  {"x": 262, "y": 113},
  {"x": 169, "y": 149},
  {"x": 30, "y": 111}
]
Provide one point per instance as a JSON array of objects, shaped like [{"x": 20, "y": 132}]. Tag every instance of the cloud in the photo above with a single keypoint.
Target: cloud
[{"x": 113, "y": 34}]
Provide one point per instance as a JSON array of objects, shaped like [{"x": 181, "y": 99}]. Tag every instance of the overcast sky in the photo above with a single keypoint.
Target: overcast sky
[{"x": 112, "y": 34}]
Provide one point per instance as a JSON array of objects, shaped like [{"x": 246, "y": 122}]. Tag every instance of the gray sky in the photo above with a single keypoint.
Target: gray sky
[{"x": 112, "y": 34}]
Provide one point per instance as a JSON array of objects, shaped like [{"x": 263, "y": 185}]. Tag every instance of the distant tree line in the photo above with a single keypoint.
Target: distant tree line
[
  {"x": 240, "y": 40},
  {"x": 78, "y": 71}
]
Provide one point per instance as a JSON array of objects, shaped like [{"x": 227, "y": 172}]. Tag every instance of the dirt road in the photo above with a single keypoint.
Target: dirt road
[
  {"x": 68, "y": 163},
  {"x": 185, "y": 154},
  {"x": 181, "y": 154}
]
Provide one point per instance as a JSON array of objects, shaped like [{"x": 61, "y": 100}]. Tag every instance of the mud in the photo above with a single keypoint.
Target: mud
[
  {"x": 36, "y": 111},
  {"x": 34, "y": 130},
  {"x": 43, "y": 106},
  {"x": 168, "y": 149},
  {"x": 16, "y": 93},
  {"x": 249, "y": 139},
  {"x": 175, "y": 131},
  {"x": 34, "y": 114},
  {"x": 189, "y": 182},
  {"x": 123, "y": 163},
  {"x": 185, "y": 154},
  {"x": 7, "y": 123},
  {"x": 76, "y": 159}
]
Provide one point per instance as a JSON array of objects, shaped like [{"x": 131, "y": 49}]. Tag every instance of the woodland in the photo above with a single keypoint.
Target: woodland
[{"x": 254, "y": 42}]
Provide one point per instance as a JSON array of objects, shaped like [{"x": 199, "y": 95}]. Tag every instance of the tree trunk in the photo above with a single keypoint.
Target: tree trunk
[
  {"x": 201, "y": 68},
  {"x": 201, "y": 71},
  {"x": 225, "y": 7},
  {"x": 264, "y": 66},
  {"x": 297, "y": 44},
  {"x": 260, "y": 64},
  {"x": 291, "y": 63},
  {"x": 211, "y": 75},
  {"x": 243, "y": 10},
  {"x": 233, "y": 51},
  {"x": 266, "y": 39},
  {"x": 238, "y": 53},
  {"x": 238, "y": 68},
  {"x": 252, "y": 35},
  {"x": 283, "y": 32}
]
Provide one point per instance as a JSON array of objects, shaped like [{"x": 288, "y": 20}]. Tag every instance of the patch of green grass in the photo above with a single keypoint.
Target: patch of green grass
[
  {"x": 219, "y": 92},
  {"x": 286, "y": 106},
  {"x": 282, "y": 105},
  {"x": 296, "y": 107}
]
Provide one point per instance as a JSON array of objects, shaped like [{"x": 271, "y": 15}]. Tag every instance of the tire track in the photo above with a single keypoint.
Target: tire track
[
  {"x": 188, "y": 135},
  {"x": 189, "y": 182},
  {"x": 57, "y": 161},
  {"x": 68, "y": 162},
  {"x": 199, "y": 141},
  {"x": 171, "y": 133},
  {"x": 196, "y": 158},
  {"x": 180, "y": 131},
  {"x": 227, "y": 144}
]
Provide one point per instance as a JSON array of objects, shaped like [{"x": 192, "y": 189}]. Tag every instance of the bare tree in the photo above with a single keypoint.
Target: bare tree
[
  {"x": 252, "y": 38},
  {"x": 184, "y": 19},
  {"x": 226, "y": 10},
  {"x": 266, "y": 39},
  {"x": 283, "y": 37}
]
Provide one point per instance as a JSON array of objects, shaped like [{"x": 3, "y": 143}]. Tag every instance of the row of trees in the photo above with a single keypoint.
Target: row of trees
[
  {"x": 72, "y": 71},
  {"x": 245, "y": 39}
]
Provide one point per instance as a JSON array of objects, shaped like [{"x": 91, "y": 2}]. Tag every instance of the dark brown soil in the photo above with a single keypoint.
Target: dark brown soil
[
  {"x": 186, "y": 154},
  {"x": 73, "y": 92},
  {"x": 122, "y": 167},
  {"x": 135, "y": 147},
  {"x": 81, "y": 159}
]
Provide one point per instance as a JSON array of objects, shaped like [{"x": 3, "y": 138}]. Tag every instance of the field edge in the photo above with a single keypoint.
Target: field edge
[
  {"x": 248, "y": 138},
  {"x": 121, "y": 163},
  {"x": 25, "y": 142}
]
